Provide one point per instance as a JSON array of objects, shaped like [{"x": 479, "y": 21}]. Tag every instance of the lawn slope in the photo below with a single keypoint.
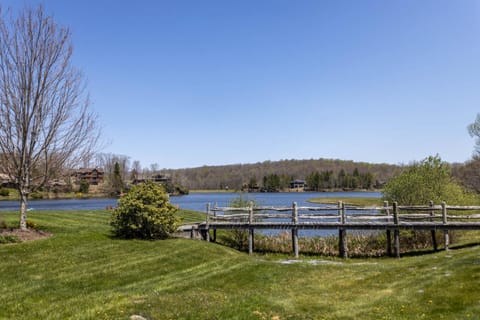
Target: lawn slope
[{"x": 81, "y": 273}]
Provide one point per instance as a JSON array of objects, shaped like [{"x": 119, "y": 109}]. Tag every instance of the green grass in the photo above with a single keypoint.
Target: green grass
[
  {"x": 81, "y": 273},
  {"x": 361, "y": 201}
]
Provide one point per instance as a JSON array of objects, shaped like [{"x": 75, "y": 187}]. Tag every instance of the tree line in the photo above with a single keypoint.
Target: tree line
[{"x": 319, "y": 174}]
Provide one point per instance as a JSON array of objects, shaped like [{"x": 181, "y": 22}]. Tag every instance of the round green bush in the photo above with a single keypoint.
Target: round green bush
[{"x": 145, "y": 212}]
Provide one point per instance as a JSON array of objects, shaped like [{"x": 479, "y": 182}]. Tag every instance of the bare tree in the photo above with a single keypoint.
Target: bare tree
[
  {"x": 107, "y": 161},
  {"x": 136, "y": 170},
  {"x": 474, "y": 131},
  {"x": 45, "y": 120}
]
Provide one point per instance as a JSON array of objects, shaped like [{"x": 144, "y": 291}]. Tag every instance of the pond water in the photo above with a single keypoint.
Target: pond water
[
  {"x": 193, "y": 201},
  {"x": 198, "y": 202}
]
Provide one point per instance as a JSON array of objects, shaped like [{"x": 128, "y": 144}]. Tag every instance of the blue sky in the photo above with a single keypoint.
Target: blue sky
[{"x": 192, "y": 83}]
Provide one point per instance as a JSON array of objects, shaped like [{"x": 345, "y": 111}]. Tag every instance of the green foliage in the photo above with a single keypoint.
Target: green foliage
[
  {"x": 31, "y": 225},
  {"x": 36, "y": 195},
  {"x": 320, "y": 180},
  {"x": 7, "y": 238},
  {"x": 175, "y": 189},
  {"x": 4, "y": 192},
  {"x": 84, "y": 186},
  {"x": 145, "y": 212},
  {"x": 3, "y": 224},
  {"x": 427, "y": 180},
  {"x": 274, "y": 182},
  {"x": 117, "y": 181}
]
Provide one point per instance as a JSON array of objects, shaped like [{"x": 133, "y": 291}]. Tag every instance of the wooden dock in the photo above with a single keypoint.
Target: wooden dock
[{"x": 342, "y": 218}]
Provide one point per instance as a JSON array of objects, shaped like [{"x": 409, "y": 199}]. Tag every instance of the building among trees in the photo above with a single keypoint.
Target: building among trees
[{"x": 92, "y": 176}]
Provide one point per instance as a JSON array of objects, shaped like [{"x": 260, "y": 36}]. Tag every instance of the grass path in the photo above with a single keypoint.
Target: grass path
[{"x": 81, "y": 273}]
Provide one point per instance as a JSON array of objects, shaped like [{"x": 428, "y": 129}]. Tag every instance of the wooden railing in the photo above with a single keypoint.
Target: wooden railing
[{"x": 341, "y": 217}]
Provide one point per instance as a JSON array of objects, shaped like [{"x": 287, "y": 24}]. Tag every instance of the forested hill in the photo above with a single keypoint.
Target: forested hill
[{"x": 324, "y": 173}]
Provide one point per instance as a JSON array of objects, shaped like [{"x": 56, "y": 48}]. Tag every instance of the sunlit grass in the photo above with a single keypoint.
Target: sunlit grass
[
  {"x": 361, "y": 201},
  {"x": 82, "y": 273}
]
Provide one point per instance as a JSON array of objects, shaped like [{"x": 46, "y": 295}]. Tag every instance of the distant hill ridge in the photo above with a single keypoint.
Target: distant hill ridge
[{"x": 235, "y": 176}]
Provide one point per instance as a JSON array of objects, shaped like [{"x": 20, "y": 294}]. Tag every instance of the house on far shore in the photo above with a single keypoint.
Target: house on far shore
[
  {"x": 157, "y": 178},
  {"x": 298, "y": 185},
  {"x": 91, "y": 175},
  {"x": 6, "y": 181}
]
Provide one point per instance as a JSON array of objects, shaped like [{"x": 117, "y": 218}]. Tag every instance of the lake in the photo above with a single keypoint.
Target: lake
[
  {"x": 198, "y": 202},
  {"x": 193, "y": 201}
]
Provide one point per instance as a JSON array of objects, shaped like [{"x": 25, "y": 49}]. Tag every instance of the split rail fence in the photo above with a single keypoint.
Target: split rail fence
[{"x": 341, "y": 217}]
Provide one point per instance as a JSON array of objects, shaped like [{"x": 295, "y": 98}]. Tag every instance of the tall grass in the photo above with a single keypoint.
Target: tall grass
[{"x": 360, "y": 245}]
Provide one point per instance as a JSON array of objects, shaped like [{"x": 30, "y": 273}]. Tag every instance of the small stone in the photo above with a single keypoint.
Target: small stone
[{"x": 137, "y": 317}]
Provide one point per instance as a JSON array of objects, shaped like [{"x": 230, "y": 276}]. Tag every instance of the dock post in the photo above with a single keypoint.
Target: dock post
[
  {"x": 250, "y": 229},
  {"x": 444, "y": 216},
  {"x": 434, "y": 233},
  {"x": 396, "y": 232},
  {"x": 389, "y": 232},
  {"x": 207, "y": 224},
  {"x": 342, "y": 233},
  {"x": 295, "y": 229}
]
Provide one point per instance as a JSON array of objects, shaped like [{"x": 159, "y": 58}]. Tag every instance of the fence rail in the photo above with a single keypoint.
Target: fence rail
[{"x": 341, "y": 217}]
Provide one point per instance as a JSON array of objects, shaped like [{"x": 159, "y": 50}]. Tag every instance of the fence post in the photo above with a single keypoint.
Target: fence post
[
  {"x": 207, "y": 224},
  {"x": 342, "y": 233},
  {"x": 192, "y": 232},
  {"x": 444, "y": 216},
  {"x": 215, "y": 219},
  {"x": 396, "y": 232},
  {"x": 389, "y": 232},
  {"x": 434, "y": 233},
  {"x": 250, "y": 229},
  {"x": 294, "y": 229}
]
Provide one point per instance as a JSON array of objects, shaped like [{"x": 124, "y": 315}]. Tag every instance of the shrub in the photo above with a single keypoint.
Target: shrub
[
  {"x": 145, "y": 212},
  {"x": 36, "y": 195},
  {"x": 427, "y": 180},
  {"x": 4, "y": 192},
  {"x": 8, "y": 239},
  {"x": 32, "y": 225}
]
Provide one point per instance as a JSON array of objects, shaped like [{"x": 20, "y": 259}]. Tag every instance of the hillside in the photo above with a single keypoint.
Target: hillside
[{"x": 236, "y": 175}]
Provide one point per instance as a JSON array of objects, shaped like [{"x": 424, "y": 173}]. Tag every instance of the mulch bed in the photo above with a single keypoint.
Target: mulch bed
[{"x": 26, "y": 235}]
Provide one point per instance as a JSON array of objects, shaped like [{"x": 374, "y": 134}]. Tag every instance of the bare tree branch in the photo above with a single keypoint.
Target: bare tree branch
[{"x": 45, "y": 120}]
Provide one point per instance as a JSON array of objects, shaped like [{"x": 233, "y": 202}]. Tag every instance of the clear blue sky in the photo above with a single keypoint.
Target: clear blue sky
[{"x": 192, "y": 83}]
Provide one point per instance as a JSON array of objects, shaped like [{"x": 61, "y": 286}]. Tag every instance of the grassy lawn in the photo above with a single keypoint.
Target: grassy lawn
[
  {"x": 81, "y": 273},
  {"x": 366, "y": 201}
]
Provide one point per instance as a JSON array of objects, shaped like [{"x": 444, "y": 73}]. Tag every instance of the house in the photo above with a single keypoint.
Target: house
[
  {"x": 298, "y": 185},
  {"x": 157, "y": 178},
  {"x": 6, "y": 181},
  {"x": 91, "y": 175}
]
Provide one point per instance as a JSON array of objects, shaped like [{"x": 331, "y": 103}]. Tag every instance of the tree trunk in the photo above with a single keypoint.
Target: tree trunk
[{"x": 23, "y": 210}]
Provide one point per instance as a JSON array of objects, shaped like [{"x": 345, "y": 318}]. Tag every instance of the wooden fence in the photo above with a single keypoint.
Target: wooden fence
[{"x": 342, "y": 218}]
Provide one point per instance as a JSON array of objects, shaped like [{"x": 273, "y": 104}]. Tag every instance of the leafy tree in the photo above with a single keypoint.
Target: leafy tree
[
  {"x": 45, "y": 121},
  {"x": 145, "y": 212},
  {"x": 117, "y": 182},
  {"x": 423, "y": 181},
  {"x": 271, "y": 183},
  {"x": 84, "y": 186},
  {"x": 313, "y": 181}
]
